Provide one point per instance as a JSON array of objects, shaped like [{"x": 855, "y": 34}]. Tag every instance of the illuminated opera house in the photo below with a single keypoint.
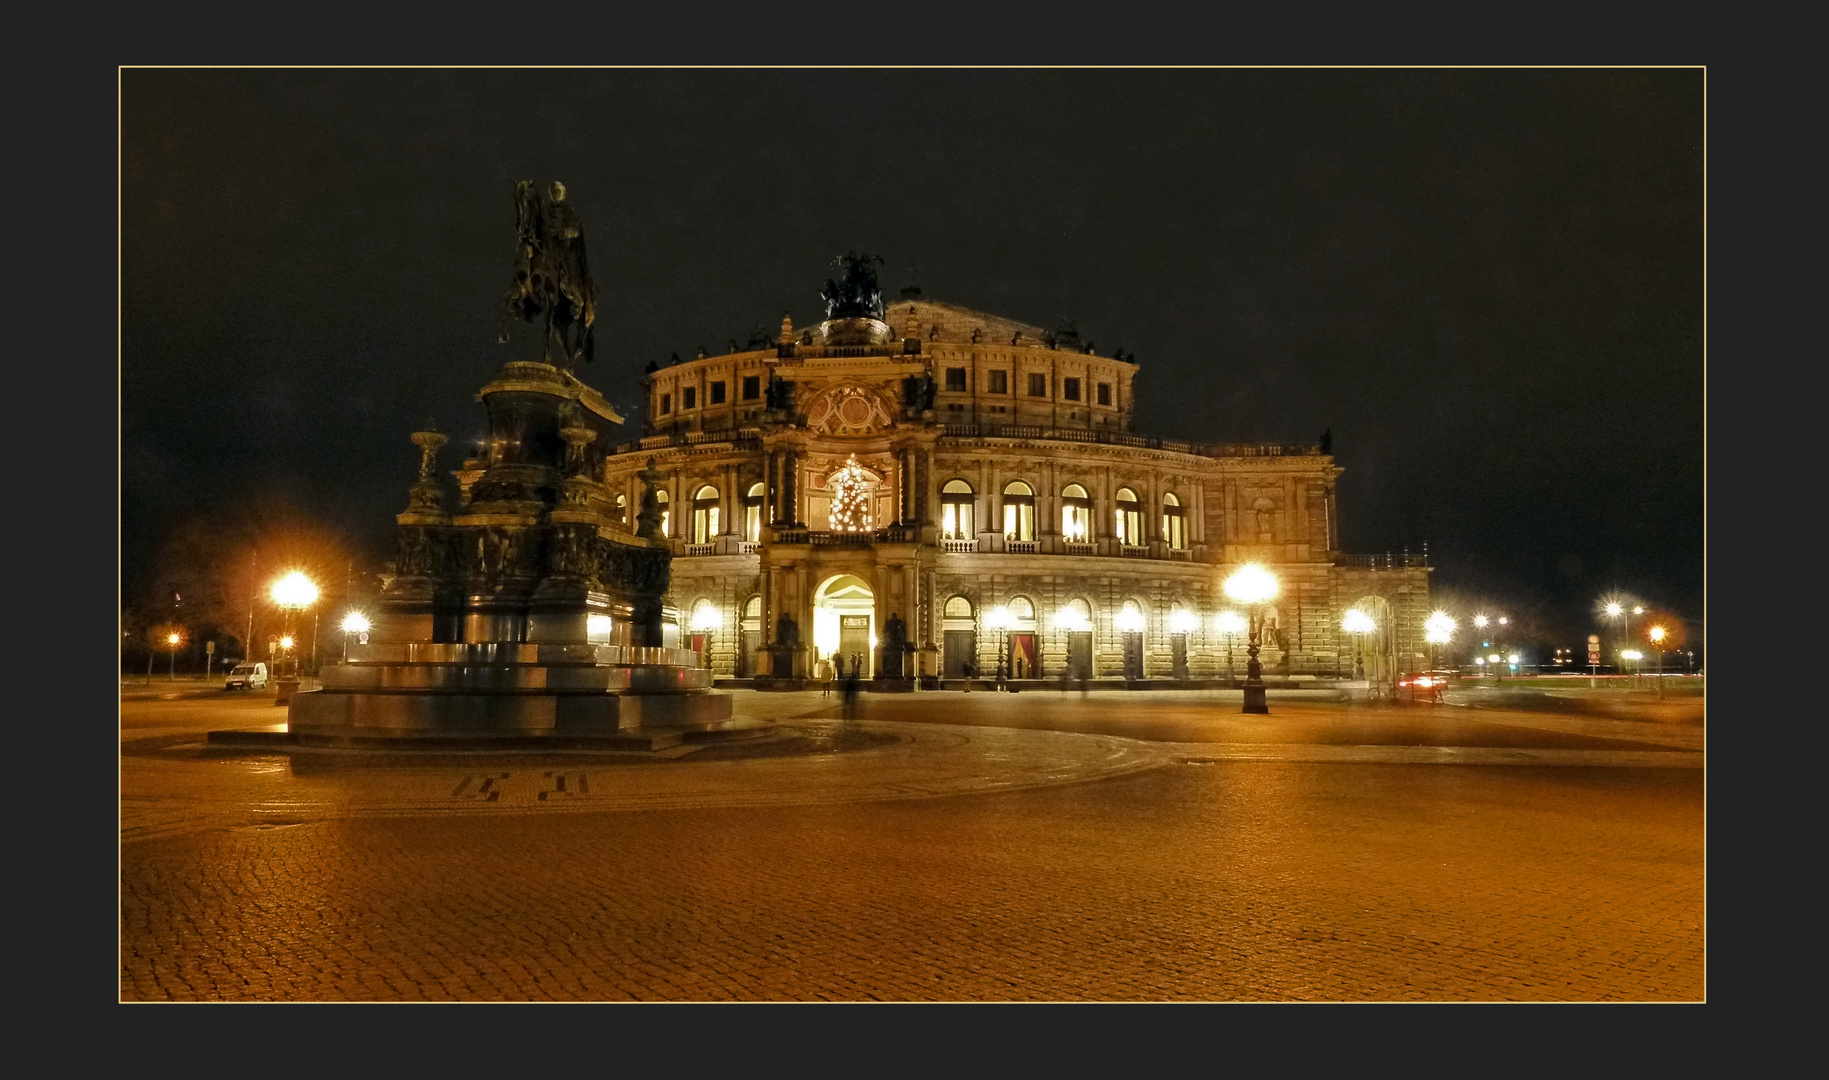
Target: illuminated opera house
[{"x": 972, "y": 485}]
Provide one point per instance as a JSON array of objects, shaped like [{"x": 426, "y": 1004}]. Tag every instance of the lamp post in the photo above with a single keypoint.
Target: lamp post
[
  {"x": 354, "y": 623},
  {"x": 1229, "y": 622},
  {"x": 1358, "y": 624},
  {"x": 293, "y": 592},
  {"x": 1438, "y": 629},
  {"x": 172, "y": 641},
  {"x": 998, "y": 619},
  {"x": 1253, "y": 586},
  {"x": 1657, "y": 638}
]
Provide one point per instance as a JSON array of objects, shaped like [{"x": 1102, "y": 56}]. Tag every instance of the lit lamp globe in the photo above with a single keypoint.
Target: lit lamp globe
[
  {"x": 1183, "y": 621},
  {"x": 1438, "y": 629},
  {"x": 1657, "y": 638},
  {"x": 1252, "y": 586},
  {"x": 355, "y": 623},
  {"x": 291, "y": 593}
]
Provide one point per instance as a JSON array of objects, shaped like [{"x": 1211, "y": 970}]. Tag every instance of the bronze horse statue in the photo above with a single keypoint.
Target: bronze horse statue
[{"x": 552, "y": 281}]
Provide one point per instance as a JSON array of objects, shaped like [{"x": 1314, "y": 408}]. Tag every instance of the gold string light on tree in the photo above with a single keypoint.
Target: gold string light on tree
[{"x": 850, "y": 487}]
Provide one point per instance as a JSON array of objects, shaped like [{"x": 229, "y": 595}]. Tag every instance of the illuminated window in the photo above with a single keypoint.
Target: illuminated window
[
  {"x": 752, "y": 514},
  {"x": 1022, "y": 609},
  {"x": 1000, "y": 382},
  {"x": 1018, "y": 511},
  {"x": 958, "y": 607},
  {"x": 705, "y": 515},
  {"x": 1174, "y": 522},
  {"x": 666, "y": 513},
  {"x": 1129, "y": 520},
  {"x": 956, "y": 502},
  {"x": 1076, "y": 514},
  {"x": 622, "y": 509}
]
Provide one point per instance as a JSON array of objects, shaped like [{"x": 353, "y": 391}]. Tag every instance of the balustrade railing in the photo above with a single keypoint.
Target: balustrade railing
[
  {"x": 1119, "y": 438},
  {"x": 1387, "y": 561}
]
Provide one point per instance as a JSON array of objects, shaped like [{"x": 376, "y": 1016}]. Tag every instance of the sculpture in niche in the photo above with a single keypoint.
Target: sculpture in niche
[{"x": 1266, "y": 519}]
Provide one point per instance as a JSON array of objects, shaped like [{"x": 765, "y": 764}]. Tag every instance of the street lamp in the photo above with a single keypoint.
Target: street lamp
[
  {"x": 354, "y": 623},
  {"x": 1229, "y": 622},
  {"x": 293, "y": 592},
  {"x": 1438, "y": 629},
  {"x": 172, "y": 641},
  {"x": 998, "y": 619},
  {"x": 1482, "y": 621},
  {"x": 1358, "y": 624},
  {"x": 1657, "y": 638},
  {"x": 1253, "y": 586}
]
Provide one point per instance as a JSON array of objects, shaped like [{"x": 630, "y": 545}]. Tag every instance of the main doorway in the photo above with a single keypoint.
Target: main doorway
[{"x": 844, "y": 624}]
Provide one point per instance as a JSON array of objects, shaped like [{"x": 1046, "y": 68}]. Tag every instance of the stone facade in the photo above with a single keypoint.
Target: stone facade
[{"x": 1003, "y": 477}]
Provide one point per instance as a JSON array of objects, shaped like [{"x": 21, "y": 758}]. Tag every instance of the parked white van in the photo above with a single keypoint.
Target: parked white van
[{"x": 246, "y": 677}]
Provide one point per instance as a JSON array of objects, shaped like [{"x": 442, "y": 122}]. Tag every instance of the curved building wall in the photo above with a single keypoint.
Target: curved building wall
[{"x": 1110, "y": 517}]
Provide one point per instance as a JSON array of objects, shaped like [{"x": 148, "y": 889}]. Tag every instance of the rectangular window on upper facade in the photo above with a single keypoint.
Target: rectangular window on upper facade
[
  {"x": 666, "y": 403},
  {"x": 1105, "y": 393},
  {"x": 1038, "y": 384},
  {"x": 689, "y": 397},
  {"x": 1070, "y": 389},
  {"x": 717, "y": 393},
  {"x": 955, "y": 378},
  {"x": 752, "y": 387},
  {"x": 1000, "y": 382}
]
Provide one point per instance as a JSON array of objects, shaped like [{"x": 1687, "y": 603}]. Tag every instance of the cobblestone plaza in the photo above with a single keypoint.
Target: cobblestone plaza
[{"x": 1033, "y": 847}]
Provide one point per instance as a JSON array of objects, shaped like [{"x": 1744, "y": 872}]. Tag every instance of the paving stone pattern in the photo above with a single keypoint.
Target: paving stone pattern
[{"x": 1224, "y": 880}]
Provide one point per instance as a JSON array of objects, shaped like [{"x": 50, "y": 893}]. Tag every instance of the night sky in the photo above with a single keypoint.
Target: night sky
[{"x": 1486, "y": 283}]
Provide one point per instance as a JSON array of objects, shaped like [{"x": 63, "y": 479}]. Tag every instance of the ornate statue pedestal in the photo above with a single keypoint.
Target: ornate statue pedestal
[
  {"x": 478, "y": 688},
  {"x": 895, "y": 670}
]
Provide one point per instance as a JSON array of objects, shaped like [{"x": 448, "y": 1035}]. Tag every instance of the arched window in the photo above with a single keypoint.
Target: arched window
[
  {"x": 956, "y": 502},
  {"x": 1074, "y": 616},
  {"x": 1130, "y": 518},
  {"x": 1018, "y": 511},
  {"x": 1076, "y": 514},
  {"x": 1022, "y": 609},
  {"x": 1130, "y": 618},
  {"x": 666, "y": 512},
  {"x": 705, "y": 515},
  {"x": 705, "y": 617},
  {"x": 622, "y": 509},
  {"x": 958, "y": 607},
  {"x": 752, "y": 513},
  {"x": 1174, "y": 522}
]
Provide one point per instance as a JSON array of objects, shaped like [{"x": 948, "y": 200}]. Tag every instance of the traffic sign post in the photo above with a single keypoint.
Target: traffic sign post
[
  {"x": 209, "y": 658},
  {"x": 1593, "y": 657}
]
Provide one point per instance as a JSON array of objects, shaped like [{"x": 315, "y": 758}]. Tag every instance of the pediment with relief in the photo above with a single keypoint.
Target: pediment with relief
[{"x": 849, "y": 409}]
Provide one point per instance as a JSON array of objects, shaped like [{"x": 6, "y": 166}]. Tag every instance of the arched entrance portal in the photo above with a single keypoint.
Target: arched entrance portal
[
  {"x": 844, "y": 625},
  {"x": 1373, "y": 652}
]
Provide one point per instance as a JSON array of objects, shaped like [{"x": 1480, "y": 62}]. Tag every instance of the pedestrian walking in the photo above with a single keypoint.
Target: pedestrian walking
[
  {"x": 851, "y": 690},
  {"x": 970, "y": 670}
]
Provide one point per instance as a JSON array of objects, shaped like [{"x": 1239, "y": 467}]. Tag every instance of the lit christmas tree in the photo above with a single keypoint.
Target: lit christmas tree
[{"x": 850, "y": 487}]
